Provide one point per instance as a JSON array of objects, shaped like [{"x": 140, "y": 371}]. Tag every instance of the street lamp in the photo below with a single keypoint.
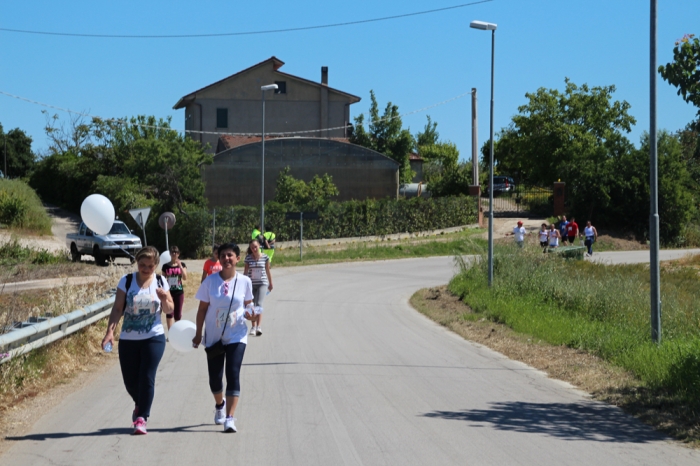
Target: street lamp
[
  {"x": 269, "y": 87},
  {"x": 489, "y": 27},
  {"x": 655, "y": 278}
]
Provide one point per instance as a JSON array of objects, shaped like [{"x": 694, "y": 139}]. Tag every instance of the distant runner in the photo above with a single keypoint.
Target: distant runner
[{"x": 211, "y": 265}]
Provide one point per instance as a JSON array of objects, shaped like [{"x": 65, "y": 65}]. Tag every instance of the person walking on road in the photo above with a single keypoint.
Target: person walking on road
[
  {"x": 270, "y": 240},
  {"x": 257, "y": 268},
  {"x": 258, "y": 235},
  {"x": 519, "y": 234},
  {"x": 591, "y": 235},
  {"x": 175, "y": 272},
  {"x": 562, "y": 227},
  {"x": 141, "y": 298},
  {"x": 572, "y": 231},
  {"x": 211, "y": 265},
  {"x": 223, "y": 298},
  {"x": 543, "y": 235},
  {"x": 553, "y": 237}
]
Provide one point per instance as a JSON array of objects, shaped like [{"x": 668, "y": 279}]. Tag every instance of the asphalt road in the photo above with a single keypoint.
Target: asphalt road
[{"x": 348, "y": 373}]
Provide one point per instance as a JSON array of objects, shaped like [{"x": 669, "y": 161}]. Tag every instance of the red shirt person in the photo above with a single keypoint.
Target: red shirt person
[{"x": 572, "y": 230}]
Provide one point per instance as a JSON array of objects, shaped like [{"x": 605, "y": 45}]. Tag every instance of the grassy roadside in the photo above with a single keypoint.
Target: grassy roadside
[
  {"x": 21, "y": 209},
  {"x": 465, "y": 242},
  {"x": 603, "y": 380},
  {"x": 603, "y": 311}
]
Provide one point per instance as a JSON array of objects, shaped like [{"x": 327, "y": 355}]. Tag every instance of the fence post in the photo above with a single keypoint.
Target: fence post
[
  {"x": 475, "y": 190},
  {"x": 559, "y": 198}
]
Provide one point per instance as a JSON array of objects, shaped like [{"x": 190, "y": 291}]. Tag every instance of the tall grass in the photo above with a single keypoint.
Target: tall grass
[
  {"x": 601, "y": 309},
  {"x": 21, "y": 208}
]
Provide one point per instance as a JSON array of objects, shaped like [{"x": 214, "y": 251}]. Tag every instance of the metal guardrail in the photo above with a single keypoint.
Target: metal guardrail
[{"x": 25, "y": 339}]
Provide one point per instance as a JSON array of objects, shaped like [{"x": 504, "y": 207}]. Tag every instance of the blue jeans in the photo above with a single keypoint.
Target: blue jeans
[
  {"x": 589, "y": 243},
  {"x": 139, "y": 361}
]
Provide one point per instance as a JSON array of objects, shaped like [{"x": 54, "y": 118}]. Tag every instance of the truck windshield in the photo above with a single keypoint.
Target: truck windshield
[{"x": 119, "y": 229}]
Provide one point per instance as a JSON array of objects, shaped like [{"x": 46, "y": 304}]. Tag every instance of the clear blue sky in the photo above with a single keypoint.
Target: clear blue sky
[{"x": 413, "y": 62}]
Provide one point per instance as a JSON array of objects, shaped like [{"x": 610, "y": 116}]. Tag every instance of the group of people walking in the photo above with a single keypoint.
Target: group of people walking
[
  {"x": 563, "y": 232},
  {"x": 227, "y": 299}
]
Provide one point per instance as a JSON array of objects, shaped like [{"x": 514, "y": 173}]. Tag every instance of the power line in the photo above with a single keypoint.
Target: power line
[
  {"x": 122, "y": 121},
  {"x": 244, "y": 33}
]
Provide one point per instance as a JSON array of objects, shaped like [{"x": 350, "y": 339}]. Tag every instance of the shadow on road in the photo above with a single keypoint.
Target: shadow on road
[
  {"x": 567, "y": 421},
  {"x": 100, "y": 433}
]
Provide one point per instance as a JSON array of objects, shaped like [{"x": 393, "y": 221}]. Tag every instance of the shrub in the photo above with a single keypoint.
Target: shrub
[
  {"x": 20, "y": 207},
  {"x": 193, "y": 232}
]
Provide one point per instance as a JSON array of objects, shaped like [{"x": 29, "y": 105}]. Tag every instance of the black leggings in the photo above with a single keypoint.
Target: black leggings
[
  {"x": 232, "y": 359},
  {"x": 139, "y": 362}
]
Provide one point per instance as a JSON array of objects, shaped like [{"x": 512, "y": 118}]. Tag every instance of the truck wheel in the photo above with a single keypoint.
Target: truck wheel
[
  {"x": 99, "y": 258},
  {"x": 74, "y": 254}
]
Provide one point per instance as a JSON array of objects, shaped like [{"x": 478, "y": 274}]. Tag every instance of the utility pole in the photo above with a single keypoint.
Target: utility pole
[
  {"x": 655, "y": 278},
  {"x": 475, "y": 146}
]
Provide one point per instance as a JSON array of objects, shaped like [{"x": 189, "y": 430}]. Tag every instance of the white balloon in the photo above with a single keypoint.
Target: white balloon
[
  {"x": 181, "y": 334},
  {"x": 165, "y": 258},
  {"x": 97, "y": 213}
]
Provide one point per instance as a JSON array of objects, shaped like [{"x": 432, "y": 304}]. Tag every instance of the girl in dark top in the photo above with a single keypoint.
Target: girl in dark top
[{"x": 175, "y": 272}]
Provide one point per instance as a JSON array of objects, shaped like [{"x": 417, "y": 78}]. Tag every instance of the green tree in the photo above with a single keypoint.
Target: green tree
[
  {"x": 684, "y": 71},
  {"x": 301, "y": 194},
  {"x": 387, "y": 136},
  {"x": 20, "y": 158},
  {"x": 442, "y": 171},
  {"x": 572, "y": 135}
]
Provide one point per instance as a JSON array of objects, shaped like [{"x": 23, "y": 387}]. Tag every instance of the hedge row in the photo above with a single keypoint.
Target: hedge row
[{"x": 193, "y": 231}]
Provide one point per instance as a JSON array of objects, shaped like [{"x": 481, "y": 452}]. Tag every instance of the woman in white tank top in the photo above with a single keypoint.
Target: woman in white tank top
[
  {"x": 591, "y": 235},
  {"x": 553, "y": 236}
]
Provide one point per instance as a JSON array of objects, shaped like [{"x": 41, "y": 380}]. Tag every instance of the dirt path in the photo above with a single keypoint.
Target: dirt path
[{"x": 64, "y": 222}]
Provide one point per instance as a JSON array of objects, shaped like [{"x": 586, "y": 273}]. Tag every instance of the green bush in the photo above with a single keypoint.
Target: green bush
[
  {"x": 193, "y": 231},
  {"x": 12, "y": 252},
  {"x": 598, "y": 308},
  {"x": 20, "y": 207}
]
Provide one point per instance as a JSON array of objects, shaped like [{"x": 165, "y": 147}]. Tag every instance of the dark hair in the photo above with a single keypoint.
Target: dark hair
[
  {"x": 215, "y": 247},
  {"x": 174, "y": 249},
  {"x": 232, "y": 246}
]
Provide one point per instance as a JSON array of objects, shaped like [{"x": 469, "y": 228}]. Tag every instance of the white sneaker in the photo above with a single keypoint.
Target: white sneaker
[
  {"x": 258, "y": 330},
  {"x": 220, "y": 414},
  {"x": 252, "y": 330},
  {"x": 229, "y": 424}
]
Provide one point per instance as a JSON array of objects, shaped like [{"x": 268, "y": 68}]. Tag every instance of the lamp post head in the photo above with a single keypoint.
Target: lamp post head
[
  {"x": 483, "y": 25},
  {"x": 269, "y": 87}
]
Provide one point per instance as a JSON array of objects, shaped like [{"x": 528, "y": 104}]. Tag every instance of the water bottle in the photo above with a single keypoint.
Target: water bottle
[{"x": 108, "y": 347}]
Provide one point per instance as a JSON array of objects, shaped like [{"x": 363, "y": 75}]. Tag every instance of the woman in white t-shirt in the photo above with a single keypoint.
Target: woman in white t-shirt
[
  {"x": 223, "y": 307},
  {"x": 141, "y": 298}
]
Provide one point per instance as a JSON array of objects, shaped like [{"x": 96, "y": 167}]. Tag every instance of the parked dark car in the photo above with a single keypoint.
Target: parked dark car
[{"x": 502, "y": 184}]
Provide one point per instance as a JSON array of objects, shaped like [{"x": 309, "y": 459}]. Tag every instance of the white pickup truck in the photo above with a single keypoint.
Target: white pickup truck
[{"x": 119, "y": 242}]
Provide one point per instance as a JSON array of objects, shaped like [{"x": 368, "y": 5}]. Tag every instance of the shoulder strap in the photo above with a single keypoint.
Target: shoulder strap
[
  {"x": 233, "y": 295},
  {"x": 161, "y": 280},
  {"x": 127, "y": 285}
]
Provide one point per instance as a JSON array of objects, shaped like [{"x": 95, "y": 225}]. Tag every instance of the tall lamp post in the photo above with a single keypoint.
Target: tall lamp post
[
  {"x": 269, "y": 87},
  {"x": 490, "y": 27},
  {"x": 655, "y": 278}
]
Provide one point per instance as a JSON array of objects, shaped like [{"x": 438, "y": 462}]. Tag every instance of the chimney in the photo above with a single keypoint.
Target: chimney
[{"x": 324, "y": 75}]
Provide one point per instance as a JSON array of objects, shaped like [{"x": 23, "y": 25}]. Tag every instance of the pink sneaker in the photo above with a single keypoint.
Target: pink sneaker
[{"x": 140, "y": 426}]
